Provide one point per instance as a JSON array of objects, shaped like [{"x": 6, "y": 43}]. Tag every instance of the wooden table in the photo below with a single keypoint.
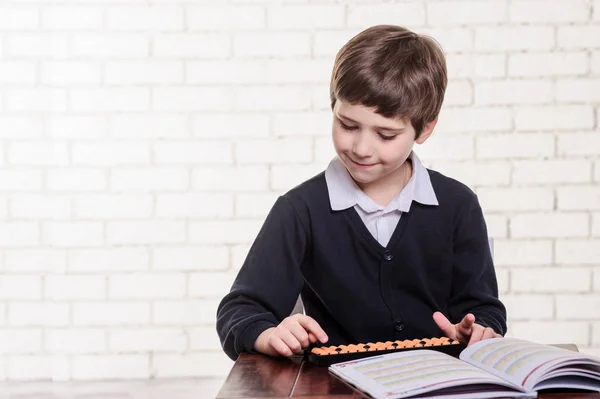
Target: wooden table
[{"x": 258, "y": 377}]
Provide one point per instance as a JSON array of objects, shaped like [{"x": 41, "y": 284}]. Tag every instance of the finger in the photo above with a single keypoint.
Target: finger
[
  {"x": 466, "y": 325},
  {"x": 291, "y": 341},
  {"x": 279, "y": 346},
  {"x": 300, "y": 333},
  {"x": 476, "y": 334},
  {"x": 444, "y": 324},
  {"x": 312, "y": 338},
  {"x": 496, "y": 335},
  {"x": 311, "y": 326},
  {"x": 488, "y": 333}
]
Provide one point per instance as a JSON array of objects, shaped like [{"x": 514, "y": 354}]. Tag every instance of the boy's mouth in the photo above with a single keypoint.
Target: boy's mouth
[{"x": 361, "y": 165}]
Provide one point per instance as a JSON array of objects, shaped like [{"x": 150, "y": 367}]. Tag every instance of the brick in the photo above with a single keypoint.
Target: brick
[
  {"x": 225, "y": 126},
  {"x": 192, "y": 99},
  {"x": 476, "y": 65},
  {"x": 17, "y": 73},
  {"x": 156, "y": 340},
  {"x": 503, "y": 277},
  {"x": 149, "y": 126},
  {"x": 452, "y": 40},
  {"x": 113, "y": 153},
  {"x": 19, "y": 18},
  {"x": 285, "y": 150},
  {"x": 227, "y": 72},
  {"x": 302, "y": 124},
  {"x": 145, "y": 232},
  {"x": 578, "y": 198},
  {"x": 554, "y": 332},
  {"x": 20, "y": 180},
  {"x": 505, "y": 38},
  {"x": 107, "y": 206},
  {"x": 193, "y": 152},
  {"x": 143, "y": 72},
  {"x": 192, "y": 364},
  {"x": 595, "y": 333},
  {"x": 547, "y": 64},
  {"x": 266, "y": 44},
  {"x": 583, "y": 37},
  {"x": 100, "y": 367},
  {"x": 75, "y": 340},
  {"x": 73, "y": 234},
  {"x": 530, "y": 145},
  {"x": 324, "y": 151},
  {"x": 120, "y": 259},
  {"x": 309, "y": 16},
  {"x": 273, "y": 98},
  {"x": 163, "y": 178},
  {"x": 192, "y": 258},
  {"x": 211, "y": 18},
  {"x": 471, "y": 12},
  {"x": 254, "y": 205},
  {"x": 194, "y": 206},
  {"x": 528, "y": 307},
  {"x": 513, "y": 92},
  {"x": 38, "y": 153},
  {"x": 110, "y": 314},
  {"x": 35, "y": 260},
  {"x": 71, "y": 18},
  {"x": 494, "y": 173},
  {"x": 110, "y": 99},
  {"x": 409, "y": 14},
  {"x": 553, "y": 11},
  {"x": 20, "y": 287},
  {"x": 549, "y": 225},
  {"x": 436, "y": 148},
  {"x": 580, "y": 90},
  {"x": 596, "y": 7},
  {"x": 37, "y": 45},
  {"x": 522, "y": 252},
  {"x": 76, "y": 126},
  {"x": 597, "y": 171},
  {"x": 205, "y": 339},
  {"x": 551, "y": 171},
  {"x": 328, "y": 43},
  {"x": 285, "y": 177},
  {"x": 30, "y": 367},
  {"x": 19, "y": 234},
  {"x": 231, "y": 179},
  {"x": 556, "y": 280},
  {"x": 320, "y": 99},
  {"x": 38, "y": 314},
  {"x": 224, "y": 232},
  {"x": 54, "y": 73},
  {"x": 36, "y": 206},
  {"x": 188, "y": 312},
  {"x": 577, "y": 252},
  {"x": 298, "y": 71},
  {"x": 20, "y": 341},
  {"x": 76, "y": 179},
  {"x": 153, "y": 18},
  {"x": 551, "y": 117},
  {"x": 110, "y": 45},
  {"x": 149, "y": 286},
  {"x": 59, "y": 287},
  {"x": 189, "y": 45},
  {"x": 474, "y": 119},
  {"x": 577, "y": 307},
  {"x": 20, "y": 127},
  {"x": 458, "y": 92},
  {"x": 210, "y": 285},
  {"x": 596, "y": 282},
  {"x": 516, "y": 199},
  {"x": 596, "y": 225},
  {"x": 595, "y": 62},
  {"x": 38, "y": 99},
  {"x": 497, "y": 226}
]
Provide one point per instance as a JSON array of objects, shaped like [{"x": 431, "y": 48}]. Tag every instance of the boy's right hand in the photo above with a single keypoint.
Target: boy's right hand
[{"x": 292, "y": 335}]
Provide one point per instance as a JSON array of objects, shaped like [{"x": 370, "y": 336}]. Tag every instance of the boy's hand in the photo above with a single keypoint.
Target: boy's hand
[
  {"x": 467, "y": 331},
  {"x": 292, "y": 335}
]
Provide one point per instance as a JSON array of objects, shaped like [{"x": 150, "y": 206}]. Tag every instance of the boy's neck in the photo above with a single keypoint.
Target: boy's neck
[{"x": 384, "y": 190}]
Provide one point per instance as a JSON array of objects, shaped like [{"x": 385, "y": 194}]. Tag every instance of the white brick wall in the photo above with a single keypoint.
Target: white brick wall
[{"x": 143, "y": 143}]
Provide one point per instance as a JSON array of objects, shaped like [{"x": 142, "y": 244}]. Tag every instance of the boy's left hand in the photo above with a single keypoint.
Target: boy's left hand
[{"x": 467, "y": 331}]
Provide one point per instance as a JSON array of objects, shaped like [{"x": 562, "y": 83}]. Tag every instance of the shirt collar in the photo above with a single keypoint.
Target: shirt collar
[{"x": 344, "y": 193}]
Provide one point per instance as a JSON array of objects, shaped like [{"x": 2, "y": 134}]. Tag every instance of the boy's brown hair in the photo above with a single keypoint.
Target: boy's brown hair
[{"x": 394, "y": 70}]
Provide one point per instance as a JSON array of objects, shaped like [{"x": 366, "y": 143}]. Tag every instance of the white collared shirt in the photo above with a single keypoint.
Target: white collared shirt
[{"x": 379, "y": 220}]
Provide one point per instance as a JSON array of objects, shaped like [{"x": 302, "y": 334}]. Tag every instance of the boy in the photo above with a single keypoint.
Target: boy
[{"x": 379, "y": 247}]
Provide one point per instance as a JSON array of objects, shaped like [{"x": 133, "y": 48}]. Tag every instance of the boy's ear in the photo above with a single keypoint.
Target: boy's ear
[{"x": 427, "y": 130}]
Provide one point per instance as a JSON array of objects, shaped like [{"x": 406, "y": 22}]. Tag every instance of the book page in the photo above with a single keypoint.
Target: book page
[
  {"x": 522, "y": 362},
  {"x": 406, "y": 374}
]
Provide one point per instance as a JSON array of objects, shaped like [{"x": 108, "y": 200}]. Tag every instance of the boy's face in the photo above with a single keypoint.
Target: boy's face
[{"x": 371, "y": 146}]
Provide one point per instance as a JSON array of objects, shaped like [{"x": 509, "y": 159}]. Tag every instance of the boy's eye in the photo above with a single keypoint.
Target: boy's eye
[
  {"x": 346, "y": 127},
  {"x": 384, "y": 137}
]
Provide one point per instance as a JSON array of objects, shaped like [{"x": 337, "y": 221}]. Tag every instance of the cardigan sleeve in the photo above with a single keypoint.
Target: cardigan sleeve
[
  {"x": 268, "y": 283},
  {"x": 474, "y": 284}
]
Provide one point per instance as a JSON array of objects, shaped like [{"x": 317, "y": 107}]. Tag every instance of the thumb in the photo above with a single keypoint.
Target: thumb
[
  {"x": 466, "y": 324},
  {"x": 444, "y": 324}
]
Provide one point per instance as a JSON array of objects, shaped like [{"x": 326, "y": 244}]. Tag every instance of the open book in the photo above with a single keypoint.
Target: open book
[{"x": 493, "y": 368}]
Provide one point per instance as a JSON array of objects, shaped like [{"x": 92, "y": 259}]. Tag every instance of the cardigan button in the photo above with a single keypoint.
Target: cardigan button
[
  {"x": 399, "y": 326},
  {"x": 387, "y": 255}
]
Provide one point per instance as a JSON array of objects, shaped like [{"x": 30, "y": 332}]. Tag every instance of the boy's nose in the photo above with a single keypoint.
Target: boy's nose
[{"x": 361, "y": 146}]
